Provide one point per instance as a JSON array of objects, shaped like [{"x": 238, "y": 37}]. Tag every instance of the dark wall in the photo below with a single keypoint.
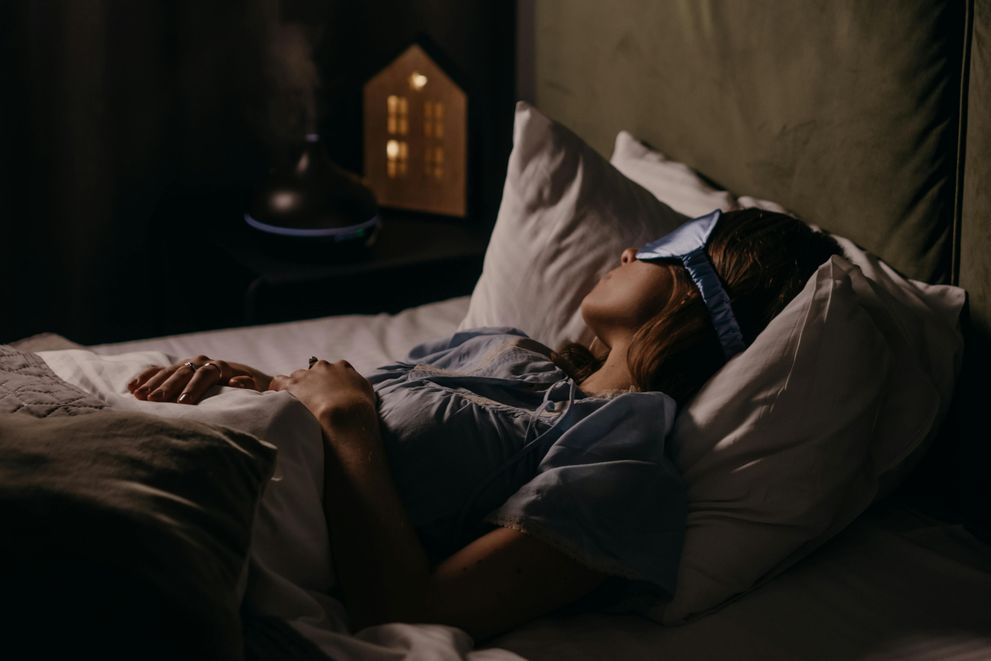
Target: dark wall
[
  {"x": 107, "y": 107},
  {"x": 113, "y": 110}
]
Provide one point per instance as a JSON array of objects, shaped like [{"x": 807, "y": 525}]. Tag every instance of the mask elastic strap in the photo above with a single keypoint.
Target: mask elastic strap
[{"x": 716, "y": 299}]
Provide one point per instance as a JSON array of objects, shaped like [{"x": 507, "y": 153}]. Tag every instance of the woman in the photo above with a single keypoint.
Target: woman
[{"x": 488, "y": 480}]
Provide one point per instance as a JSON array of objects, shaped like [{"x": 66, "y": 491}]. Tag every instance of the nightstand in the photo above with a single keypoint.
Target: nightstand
[
  {"x": 415, "y": 259},
  {"x": 251, "y": 278}
]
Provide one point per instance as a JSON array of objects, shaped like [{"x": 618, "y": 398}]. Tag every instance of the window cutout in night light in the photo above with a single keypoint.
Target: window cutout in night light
[
  {"x": 438, "y": 162},
  {"x": 433, "y": 119},
  {"x": 438, "y": 120},
  {"x": 397, "y": 115},
  {"x": 396, "y": 157},
  {"x": 403, "y": 116},
  {"x": 434, "y": 163},
  {"x": 392, "y": 108}
]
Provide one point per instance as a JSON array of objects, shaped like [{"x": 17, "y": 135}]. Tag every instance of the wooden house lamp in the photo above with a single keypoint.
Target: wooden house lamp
[{"x": 416, "y": 141}]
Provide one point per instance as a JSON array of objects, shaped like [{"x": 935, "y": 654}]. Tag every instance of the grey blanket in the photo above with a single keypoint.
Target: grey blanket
[
  {"x": 27, "y": 385},
  {"x": 124, "y": 534}
]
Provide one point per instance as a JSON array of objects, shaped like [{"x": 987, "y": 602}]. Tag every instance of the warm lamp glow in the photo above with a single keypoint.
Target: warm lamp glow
[
  {"x": 417, "y": 81},
  {"x": 392, "y": 150},
  {"x": 284, "y": 200}
]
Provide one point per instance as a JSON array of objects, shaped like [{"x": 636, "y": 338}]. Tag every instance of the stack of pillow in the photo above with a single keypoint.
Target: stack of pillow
[{"x": 793, "y": 438}]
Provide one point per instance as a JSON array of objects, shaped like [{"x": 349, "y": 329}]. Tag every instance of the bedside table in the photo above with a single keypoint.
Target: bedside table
[
  {"x": 252, "y": 278},
  {"x": 415, "y": 259}
]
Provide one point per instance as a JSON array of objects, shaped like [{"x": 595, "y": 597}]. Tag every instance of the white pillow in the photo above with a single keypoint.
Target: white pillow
[
  {"x": 920, "y": 321},
  {"x": 729, "y": 546},
  {"x": 674, "y": 183},
  {"x": 830, "y": 400},
  {"x": 566, "y": 215},
  {"x": 779, "y": 449}
]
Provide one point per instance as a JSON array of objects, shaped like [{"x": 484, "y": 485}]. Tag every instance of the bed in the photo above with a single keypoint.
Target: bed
[
  {"x": 867, "y": 120},
  {"x": 849, "y": 600}
]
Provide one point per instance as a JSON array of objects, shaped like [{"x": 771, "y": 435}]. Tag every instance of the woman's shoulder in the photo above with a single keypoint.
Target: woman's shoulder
[
  {"x": 491, "y": 351},
  {"x": 475, "y": 338}
]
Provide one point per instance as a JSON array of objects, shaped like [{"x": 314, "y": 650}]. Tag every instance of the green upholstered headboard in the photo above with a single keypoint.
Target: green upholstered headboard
[
  {"x": 974, "y": 268},
  {"x": 870, "y": 119}
]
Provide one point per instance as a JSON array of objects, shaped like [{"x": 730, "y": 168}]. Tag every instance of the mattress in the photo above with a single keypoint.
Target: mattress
[{"x": 896, "y": 584}]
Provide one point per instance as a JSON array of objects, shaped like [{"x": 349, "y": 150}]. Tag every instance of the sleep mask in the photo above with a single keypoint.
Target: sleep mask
[{"x": 687, "y": 243}]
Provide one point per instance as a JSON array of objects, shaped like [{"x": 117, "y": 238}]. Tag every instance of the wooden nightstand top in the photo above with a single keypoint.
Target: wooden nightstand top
[
  {"x": 405, "y": 240},
  {"x": 237, "y": 275}
]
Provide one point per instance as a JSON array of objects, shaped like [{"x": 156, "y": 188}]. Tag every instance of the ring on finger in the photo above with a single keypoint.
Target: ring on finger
[
  {"x": 220, "y": 371},
  {"x": 190, "y": 365}
]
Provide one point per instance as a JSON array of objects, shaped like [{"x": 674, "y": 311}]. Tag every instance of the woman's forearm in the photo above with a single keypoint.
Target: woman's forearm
[
  {"x": 497, "y": 581},
  {"x": 380, "y": 564}
]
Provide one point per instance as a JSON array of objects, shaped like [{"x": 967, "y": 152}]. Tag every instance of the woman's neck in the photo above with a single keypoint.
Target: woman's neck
[{"x": 613, "y": 375}]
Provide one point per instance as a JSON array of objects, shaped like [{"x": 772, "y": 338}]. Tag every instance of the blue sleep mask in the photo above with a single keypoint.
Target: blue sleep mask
[{"x": 687, "y": 243}]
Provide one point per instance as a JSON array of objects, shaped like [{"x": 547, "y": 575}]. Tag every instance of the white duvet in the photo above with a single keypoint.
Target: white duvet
[{"x": 290, "y": 572}]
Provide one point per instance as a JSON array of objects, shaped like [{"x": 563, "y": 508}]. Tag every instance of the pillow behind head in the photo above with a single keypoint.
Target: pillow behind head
[
  {"x": 920, "y": 321},
  {"x": 566, "y": 214},
  {"x": 777, "y": 449},
  {"x": 674, "y": 183},
  {"x": 730, "y": 546}
]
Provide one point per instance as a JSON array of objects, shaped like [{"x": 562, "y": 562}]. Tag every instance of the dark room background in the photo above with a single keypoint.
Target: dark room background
[{"x": 118, "y": 118}]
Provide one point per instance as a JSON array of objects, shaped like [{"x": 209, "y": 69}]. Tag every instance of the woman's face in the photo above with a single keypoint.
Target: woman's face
[{"x": 626, "y": 297}]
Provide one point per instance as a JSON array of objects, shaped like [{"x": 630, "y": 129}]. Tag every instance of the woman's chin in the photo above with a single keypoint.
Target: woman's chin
[{"x": 587, "y": 310}]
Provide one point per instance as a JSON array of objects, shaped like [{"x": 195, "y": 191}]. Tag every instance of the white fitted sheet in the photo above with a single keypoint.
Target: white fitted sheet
[
  {"x": 896, "y": 584},
  {"x": 366, "y": 341}
]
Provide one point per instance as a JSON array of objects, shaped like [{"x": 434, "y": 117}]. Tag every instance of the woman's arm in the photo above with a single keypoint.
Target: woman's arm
[{"x": 498, "y": 581}]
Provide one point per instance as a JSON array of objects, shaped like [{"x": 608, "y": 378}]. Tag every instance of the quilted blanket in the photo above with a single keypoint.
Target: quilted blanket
[
  {"x": 28, "y": 385},
  {"x": 126, "y": 533}
]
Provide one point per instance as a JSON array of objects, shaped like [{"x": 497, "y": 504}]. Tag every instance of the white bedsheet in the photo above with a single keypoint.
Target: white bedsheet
[
  {"x": 895, "y": 585},
  {"x": 366, "y": 341}
]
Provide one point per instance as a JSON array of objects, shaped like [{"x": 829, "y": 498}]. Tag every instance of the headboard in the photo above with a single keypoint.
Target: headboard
[{"x": 869, "y": 119}]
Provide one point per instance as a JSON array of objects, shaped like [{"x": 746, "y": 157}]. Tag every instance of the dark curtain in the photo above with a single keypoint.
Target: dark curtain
[
  {"x": 120, "y": 119},
  {"x": 106, "y": 106}
]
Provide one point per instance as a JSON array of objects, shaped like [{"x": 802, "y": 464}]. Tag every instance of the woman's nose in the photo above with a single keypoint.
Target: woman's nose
[{"x": 628, "y": 255}]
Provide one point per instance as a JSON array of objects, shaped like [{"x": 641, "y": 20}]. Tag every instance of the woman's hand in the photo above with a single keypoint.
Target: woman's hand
[
  {"x": 334, "y": 393},
  {"x": 188, "y": 380}
]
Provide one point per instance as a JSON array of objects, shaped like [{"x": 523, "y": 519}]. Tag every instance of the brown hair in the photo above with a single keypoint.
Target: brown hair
[{"x": 763, "y": 260}]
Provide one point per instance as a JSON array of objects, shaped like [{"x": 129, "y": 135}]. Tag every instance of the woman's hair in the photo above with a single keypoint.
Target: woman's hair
[{"x": 763, "y": 260}]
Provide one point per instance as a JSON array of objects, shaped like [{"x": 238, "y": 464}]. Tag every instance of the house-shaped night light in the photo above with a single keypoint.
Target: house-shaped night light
[{"x": 416, "y": 139}]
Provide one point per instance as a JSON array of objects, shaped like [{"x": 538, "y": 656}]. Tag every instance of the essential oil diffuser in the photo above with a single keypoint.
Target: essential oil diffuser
[{"x": 315, "y": 201}]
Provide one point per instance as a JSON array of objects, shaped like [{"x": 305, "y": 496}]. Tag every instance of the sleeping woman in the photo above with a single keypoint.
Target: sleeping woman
[{"x": 487, "y": 480}]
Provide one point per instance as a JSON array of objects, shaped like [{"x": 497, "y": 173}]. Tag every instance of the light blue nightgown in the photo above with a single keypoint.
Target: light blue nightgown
[{"x": 483, "y": 430}]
